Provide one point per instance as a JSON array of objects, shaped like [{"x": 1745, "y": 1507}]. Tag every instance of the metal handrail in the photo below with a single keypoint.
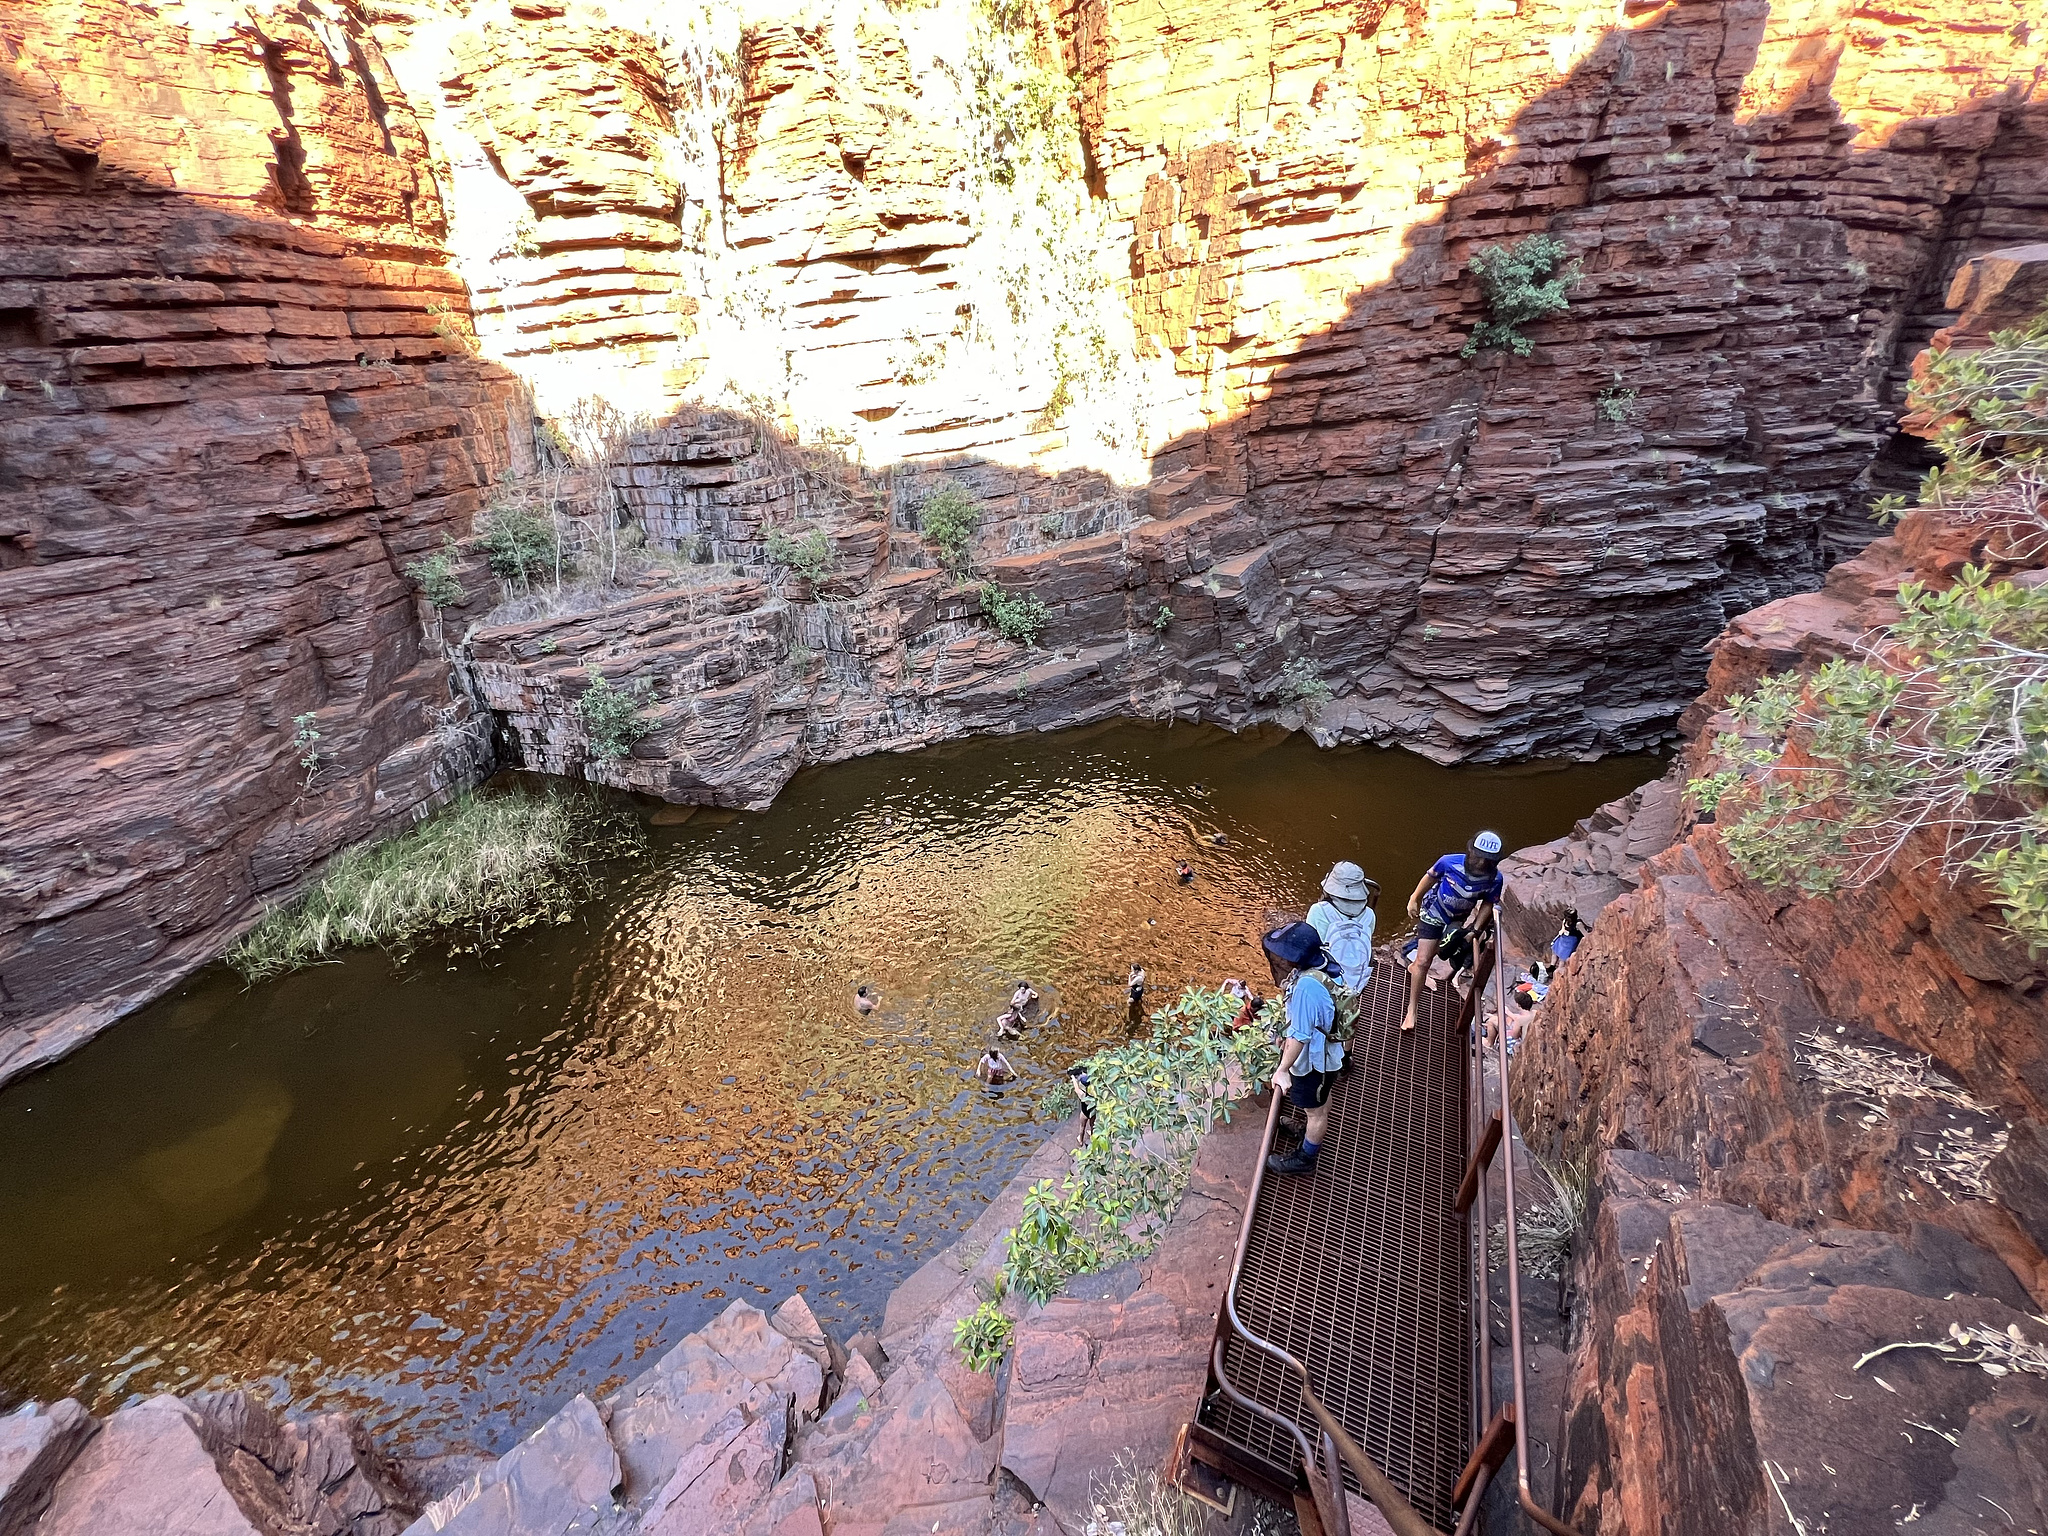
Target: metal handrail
[
  {"x": 1399, "y": 1513},
  {"x": 1530, "y": 1507}
]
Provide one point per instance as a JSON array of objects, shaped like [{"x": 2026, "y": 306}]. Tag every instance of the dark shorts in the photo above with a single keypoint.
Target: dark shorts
[
  {"x": 1309, "y": 1090},
  {"x": 1430, "y": 926}
]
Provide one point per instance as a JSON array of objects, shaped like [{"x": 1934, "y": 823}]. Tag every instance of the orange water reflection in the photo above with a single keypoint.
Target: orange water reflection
[{"x": 451, "y": 1194}]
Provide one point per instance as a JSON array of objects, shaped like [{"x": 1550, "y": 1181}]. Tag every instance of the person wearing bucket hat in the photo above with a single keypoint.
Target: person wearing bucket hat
[
  {"x": 1345, "y": 918},
  {"x": 1458, "y": 893},
  {"x": 1309, "y": 1058}
]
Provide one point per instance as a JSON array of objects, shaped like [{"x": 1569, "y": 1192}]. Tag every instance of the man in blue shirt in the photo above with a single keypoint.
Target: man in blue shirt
[
  {"x": 1309, "y": 1058},
  {"x": 1459, "y": 892}
]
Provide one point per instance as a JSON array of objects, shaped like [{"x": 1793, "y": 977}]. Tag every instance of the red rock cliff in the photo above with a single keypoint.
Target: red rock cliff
[{"x": 238, "y": 401}]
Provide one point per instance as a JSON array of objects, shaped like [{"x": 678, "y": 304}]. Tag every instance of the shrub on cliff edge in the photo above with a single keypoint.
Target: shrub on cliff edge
[
  {"x": 1521, "y": 282},
  {"x": 948, "y": 517},
  {"x": 485, "y": 867},
  {"x": 1939, "y": 724},
  {"x": 1153, "y": 1099}
]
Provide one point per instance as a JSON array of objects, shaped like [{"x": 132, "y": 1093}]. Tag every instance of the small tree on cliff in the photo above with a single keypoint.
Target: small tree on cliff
[
  {"x": 1521, "y": 282},
  {"x": 1939, "y": 724}
]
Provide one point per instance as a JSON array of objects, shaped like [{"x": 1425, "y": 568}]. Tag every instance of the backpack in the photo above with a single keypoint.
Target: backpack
[
  {"x": 1344, "y": 1002},
  {"x": 1350, "y": 945}
]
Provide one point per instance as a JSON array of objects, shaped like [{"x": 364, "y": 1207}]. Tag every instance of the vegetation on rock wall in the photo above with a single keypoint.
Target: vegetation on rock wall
[
  {"x": 1940, "y": 724},
  {"x": 1521, "y": 282},
  {"x": 611, "y": 716},
  {"x": 1018, "y": 616},
  {"x": 1152, "y": 1100},
  {"x": 485, "y": 867}
]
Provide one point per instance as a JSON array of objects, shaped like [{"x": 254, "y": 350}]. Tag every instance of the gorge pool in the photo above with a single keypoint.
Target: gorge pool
[{"x": 452, "y": 1192}]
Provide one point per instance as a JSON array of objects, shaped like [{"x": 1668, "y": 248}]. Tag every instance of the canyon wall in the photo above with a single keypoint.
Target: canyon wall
[
  {"x": 238, "y": 399},
  {"x": 1818, "y": 1125},
  {"x": 1179, "y": 301}
]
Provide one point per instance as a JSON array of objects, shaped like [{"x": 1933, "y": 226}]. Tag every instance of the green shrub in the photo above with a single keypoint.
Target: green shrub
[
  {"x": 1941, "y": 725},
  {"x": 1521, "y": 282},
  {"x": 1616, "y": 404},
  {"x": 611, "y": 716},
  {"x": 1301, "y": 680},
  {"x": 1016, "y": 616},
  {"x": 434, "y": 575},
  {"x": 306, "y": 742},
  {"x": 521, "y": 546},
  {"x": 808, "y": 556},
  {"x": 1161, "y": 619},
  {"x": 1153, "y": 1100},
  {"x": 948, "y": 517},
  {"x": 983, "y": 1336},
  {"x": 487, "y": 865}
]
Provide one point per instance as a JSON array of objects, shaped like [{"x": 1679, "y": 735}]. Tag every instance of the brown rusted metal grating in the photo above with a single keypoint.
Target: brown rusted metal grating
[{"x": 1363, "y": 1272}]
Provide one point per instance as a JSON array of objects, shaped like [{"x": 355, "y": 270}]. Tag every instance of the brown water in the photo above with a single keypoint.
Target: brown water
[{"x": 452, "y": 1193}]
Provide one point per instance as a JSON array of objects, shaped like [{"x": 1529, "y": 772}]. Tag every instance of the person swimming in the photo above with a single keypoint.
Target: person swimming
[
  {"x": 994, "y": 1067},
  {"x": 1185, "y": 872},
  {"x": 864, "y": 999}
]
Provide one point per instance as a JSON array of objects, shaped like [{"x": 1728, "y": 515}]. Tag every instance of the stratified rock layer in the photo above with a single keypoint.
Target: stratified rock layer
[{"x": 237, "y": 404}]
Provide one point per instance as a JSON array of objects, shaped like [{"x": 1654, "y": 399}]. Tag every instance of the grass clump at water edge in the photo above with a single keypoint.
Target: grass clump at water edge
[{"x": 487, "y": 866}]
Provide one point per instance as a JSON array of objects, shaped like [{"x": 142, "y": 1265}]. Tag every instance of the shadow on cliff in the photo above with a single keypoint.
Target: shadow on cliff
[{"x": 1511, "y": 556}]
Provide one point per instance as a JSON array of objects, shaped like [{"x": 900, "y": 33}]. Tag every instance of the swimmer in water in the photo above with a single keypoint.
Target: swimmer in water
[
  {"x": 1185, "y": 871},
  {"x": 865, "y": 1000},
  {"x": 1009, "y": 1026},
  {"x": 994, "y": 1068}
]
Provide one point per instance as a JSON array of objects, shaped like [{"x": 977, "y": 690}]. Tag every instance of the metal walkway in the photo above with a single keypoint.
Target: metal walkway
[{"x": 1363, "y": 1273}]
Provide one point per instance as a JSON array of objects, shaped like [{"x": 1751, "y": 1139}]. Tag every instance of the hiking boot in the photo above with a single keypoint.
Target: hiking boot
[{"x": 1293, "y": 1162}]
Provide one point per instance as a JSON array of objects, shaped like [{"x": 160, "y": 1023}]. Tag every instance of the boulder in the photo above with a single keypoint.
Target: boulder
[
  {"x": 671, "y": 1407},
  {"x": 36, "y": 1444},
  {"x": 557, "y": 1480},
  {"x": 148, "y": 1473},
  {"x": 719, "y": 1482}
]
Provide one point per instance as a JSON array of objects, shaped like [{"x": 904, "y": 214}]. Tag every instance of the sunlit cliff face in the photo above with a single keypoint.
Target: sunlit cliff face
[{"x": 1070, "y": 235}]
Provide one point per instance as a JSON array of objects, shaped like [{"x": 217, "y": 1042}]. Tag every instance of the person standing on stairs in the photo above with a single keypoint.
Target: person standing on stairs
[
  {"x": 1345, "y": 918},
  {"x": 1456, "y": 896},
  {"x": 1309, "y": 1058}
]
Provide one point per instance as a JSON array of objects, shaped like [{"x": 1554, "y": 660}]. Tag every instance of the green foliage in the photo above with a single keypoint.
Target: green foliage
[
  {"x": 1161, "y": 619},
  {"x": 1051, "y": 525},
  {"x": 306, "y": 742},
  {"x": 808, "y": 556},
  {"x": 1521, "y": 282},
  {"x": 434, "y": 575},
  {"x": 484, "y": 867},
  {"x": 611, "y": 716},
  {"x": 1153, "y": 1100},
  {"x": 983, "y": 1336},
  {"x": 948, "y": 517},
  {"x": 1941, "y": 725},
  {"x": 1019, "y": 616},
  {"x": 1616, "y": 404},
  {"x": 520, "y": 545},
  {"x": 1301, "y": 680}
]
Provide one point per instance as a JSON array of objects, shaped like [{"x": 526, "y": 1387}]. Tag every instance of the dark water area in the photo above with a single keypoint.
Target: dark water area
[{"x": 451, "y": 1193}]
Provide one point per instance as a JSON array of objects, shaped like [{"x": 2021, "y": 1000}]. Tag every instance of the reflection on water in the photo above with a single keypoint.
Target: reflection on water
[{"x": 450, "y": 1194}]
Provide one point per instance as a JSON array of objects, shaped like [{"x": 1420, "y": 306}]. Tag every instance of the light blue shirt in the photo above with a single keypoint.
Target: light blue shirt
[{"x": 1310, "y": 1013}]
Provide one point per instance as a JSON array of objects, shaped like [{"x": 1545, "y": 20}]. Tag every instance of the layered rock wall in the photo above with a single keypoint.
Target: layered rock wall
[
  {"x": 1818, "y": 1132},
  {"x": 239, "y": 398}
]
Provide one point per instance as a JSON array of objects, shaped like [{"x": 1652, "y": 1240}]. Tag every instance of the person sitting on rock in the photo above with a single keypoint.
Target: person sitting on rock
[
  {"x": 1455, "y": 897},
  {"x": 1022, "y": 999},
  {"x": 1309, "y": 1058},
  {"x": 1345, "y": 918},
  {"x": 1009, "y": 1026},
  {"x": 995, "y": 1068},
  {"x": 864, "y": 999},
  {"x": 1570, "y": 933}
]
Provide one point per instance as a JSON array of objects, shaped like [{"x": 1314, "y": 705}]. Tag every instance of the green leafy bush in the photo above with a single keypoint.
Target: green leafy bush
[
  {"x": 983, "y": 1336},
  {"x": 808, "y": 555},
  {"x": 1521, "y": 282},
  {"x": 1152, "y": 1099},
  {"x": 612, "y": 718},
  {"x": 484, "y": 867},
  {"x": 1017, "y": 616},
  {"x": 1161, "y": 619},
  {"x": 1302, "y": 681},
  {"x": 1938, "y": 727},
  {"x": 434, "y": 575},
  {"x": 1616, "y": 404},
  {"x": 948, "y": 517},
  {"x": 520, "y": 545}
]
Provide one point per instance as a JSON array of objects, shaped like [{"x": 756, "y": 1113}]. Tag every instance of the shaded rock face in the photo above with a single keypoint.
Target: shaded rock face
[
  {"x": 1823, "y": 1121},
  {"x": 237, "y": 403}
]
